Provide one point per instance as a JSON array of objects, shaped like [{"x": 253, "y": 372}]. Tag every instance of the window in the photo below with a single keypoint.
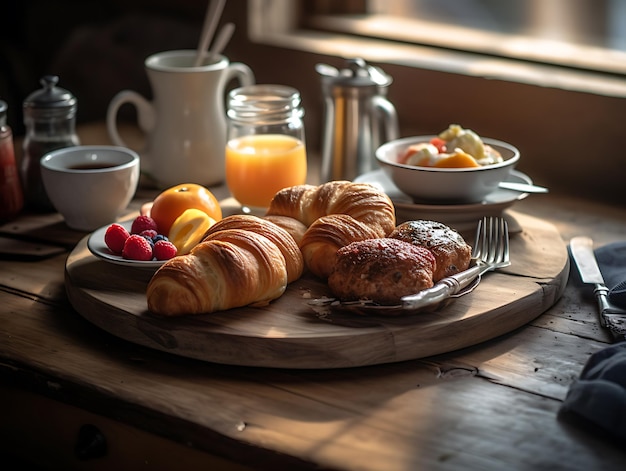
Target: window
[{"x": 574, "y": 44}]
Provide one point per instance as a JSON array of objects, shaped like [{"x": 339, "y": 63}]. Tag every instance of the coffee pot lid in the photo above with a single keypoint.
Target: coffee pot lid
[
  {"x": 50, "y": 96},
  {"x": 357, "y": 73}
]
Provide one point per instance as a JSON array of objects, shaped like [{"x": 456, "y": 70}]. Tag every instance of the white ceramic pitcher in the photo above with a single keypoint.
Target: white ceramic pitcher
[{"x": 185, "y": 124}]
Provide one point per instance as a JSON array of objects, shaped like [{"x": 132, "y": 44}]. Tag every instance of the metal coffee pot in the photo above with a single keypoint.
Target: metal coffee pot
[{"x": 357, "y": 118}]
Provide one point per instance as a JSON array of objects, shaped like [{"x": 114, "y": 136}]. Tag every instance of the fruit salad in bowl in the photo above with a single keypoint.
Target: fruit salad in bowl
[{"x": 452, "y": 167}]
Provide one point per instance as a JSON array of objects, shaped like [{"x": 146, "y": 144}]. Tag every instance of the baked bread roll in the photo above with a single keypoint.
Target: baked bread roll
[
  {"x": 451, "y": 252},
  {"x": 242, "y": 260},
  {"x": 367, "y": 213},
  {"x": 281, "y": 238},
  {"x": 381, "y": 270}
]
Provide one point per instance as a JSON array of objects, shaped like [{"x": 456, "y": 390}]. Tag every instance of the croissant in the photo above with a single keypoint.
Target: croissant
[
  {"x": 368, "y": 213},
  {"x": 327, "y": 235},
  {"x": 276, "y": 234},
  {"x": 243, "y": 261},
  {"x": 295, "y": 228}
]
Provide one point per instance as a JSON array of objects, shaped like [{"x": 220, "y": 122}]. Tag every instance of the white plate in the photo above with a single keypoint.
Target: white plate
[
  {"x": 458, "y": 216},
  {"x": 99, "y": 248}
]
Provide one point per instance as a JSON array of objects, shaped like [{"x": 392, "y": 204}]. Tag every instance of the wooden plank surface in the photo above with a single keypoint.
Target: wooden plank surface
[
  {"x": 290, "y": 334},
  {"x": 452, "y": 411},
  {"x": 490, "y": 406}
]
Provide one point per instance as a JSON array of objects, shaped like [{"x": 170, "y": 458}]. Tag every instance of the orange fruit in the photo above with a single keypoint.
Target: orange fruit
[
  {"x": 458, "y": 160},
  {"x": 173, "y": 202}
]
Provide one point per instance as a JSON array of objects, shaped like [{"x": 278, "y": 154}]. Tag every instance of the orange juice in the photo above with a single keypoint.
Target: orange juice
[{"x": 260, "y": 165}]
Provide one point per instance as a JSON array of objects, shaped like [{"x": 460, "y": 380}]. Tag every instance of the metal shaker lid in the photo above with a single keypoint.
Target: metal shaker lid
[
  {"x": 357, "y": 73},
  {"x": 50, "y": 96},
  {"x": 3, "y": 112}
]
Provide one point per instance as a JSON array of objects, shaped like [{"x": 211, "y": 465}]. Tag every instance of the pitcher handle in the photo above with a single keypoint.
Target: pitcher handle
[
  {"x": 241, "y": 72},
  {"x": 145, "y": 114},
  {"x": 386, "y": 112}
]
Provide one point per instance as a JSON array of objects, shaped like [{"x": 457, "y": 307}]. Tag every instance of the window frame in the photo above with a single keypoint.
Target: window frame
[{"x": 277, "y": 23}]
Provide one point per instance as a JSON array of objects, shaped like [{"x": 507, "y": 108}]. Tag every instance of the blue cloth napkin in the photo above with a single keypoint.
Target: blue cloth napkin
[
  {"x": 599, "y": 395},
  {"x": 612, "y": 262}
]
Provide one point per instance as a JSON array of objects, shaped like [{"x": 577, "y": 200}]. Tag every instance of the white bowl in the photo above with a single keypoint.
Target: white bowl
[
  {"x": 90, "y": 185},
  {"x": 445, "y": 185}
]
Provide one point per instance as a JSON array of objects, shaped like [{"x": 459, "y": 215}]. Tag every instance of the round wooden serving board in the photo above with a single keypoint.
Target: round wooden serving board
[{"x": 290, "y": 334}]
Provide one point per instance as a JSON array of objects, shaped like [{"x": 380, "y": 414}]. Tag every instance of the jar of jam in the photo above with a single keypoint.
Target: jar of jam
[
  {"x": 50, "y": 120},
  {"x": 11, "y": 197}
]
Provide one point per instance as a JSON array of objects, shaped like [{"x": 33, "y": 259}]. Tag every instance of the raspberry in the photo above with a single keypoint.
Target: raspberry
[
  {"x": 164, "y": 250},
  {"x": 115, "y": 237},
  {"x": 143, "y": 223},
  {"x": 137, "y": 248}
]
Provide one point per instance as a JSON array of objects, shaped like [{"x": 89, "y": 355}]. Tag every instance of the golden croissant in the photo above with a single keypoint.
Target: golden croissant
[
  {"x": 242, "y": 260},
  {"x": 366, "y": 213}
]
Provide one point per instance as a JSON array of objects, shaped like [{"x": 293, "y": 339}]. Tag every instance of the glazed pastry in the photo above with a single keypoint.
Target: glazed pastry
[
  {"x": 239, "y": 268},
  {"x": 362, "y": 201},
  {"x": 241, "y": 260},
  {"x": 294, "y": 227},
  {"x": 328, "y": 234},
  {"x": 281, "y": 238},
  {"x": 381, "y": 270},
  {"x": 451, "y": 252},
  {"x": 370, "y": 211}
]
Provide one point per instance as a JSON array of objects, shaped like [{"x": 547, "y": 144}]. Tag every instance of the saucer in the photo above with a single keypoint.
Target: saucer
[
  {"x": 457, "y": 216},
  {"x": 98, "y": 247}
]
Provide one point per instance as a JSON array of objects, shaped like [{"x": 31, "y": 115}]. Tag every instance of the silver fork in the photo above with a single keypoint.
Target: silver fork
[
  {"x": 490, "y": 252},
  {"x": 491, "y": 244}
]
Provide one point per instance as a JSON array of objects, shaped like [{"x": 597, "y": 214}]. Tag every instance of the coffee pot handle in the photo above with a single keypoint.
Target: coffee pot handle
[
  {"x": 386, "y": 114},
  {"x": 146, "y": 117}
]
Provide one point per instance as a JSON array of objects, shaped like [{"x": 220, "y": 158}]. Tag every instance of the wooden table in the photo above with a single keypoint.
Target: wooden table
[{"x": 489, "y": 406}]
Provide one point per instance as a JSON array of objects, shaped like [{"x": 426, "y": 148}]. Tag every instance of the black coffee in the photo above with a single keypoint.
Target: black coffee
[{"x": 91, "y": 166}]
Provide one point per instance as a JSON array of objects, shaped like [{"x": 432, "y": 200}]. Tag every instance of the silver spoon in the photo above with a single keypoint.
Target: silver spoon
[
  {"x": 221, "y": 41},
  {"x": 523, "y": 187},
  {"x": 212, "y": 18}
]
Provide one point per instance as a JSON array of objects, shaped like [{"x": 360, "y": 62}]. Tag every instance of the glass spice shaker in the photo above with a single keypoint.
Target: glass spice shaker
[
  {"x": 11, "y": 197},
  {"x": 50, "y": 120}
]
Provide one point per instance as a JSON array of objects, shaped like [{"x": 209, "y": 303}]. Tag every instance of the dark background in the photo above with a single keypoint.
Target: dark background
[
  {"x": 96, "y": 47},
  {"x": 570, "y": 141}
]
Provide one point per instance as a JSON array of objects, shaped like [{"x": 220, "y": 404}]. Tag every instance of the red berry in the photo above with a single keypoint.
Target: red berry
[
  {"x": 143, "y": 223},
  {"x": 164, "y": 250},
  {"x": 115, "y": 238},
  {"x": 137, "y": 248}
]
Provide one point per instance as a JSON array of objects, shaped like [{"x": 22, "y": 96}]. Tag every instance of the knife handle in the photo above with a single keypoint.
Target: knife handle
[
  {"x": 444, "y": 288},
  {"x": 602, "y": 295}
]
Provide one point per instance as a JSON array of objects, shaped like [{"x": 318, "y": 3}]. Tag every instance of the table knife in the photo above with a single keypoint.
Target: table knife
[{"x": 582, "y": 253}]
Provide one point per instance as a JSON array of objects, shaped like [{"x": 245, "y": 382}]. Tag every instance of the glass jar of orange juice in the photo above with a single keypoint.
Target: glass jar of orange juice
[{"x": 265, "y": 149}]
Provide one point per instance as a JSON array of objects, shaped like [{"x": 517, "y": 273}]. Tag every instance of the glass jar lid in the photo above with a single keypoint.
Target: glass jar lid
[
  {"x": 50, "y": 96},
  {"x": 264, "y": 104}
]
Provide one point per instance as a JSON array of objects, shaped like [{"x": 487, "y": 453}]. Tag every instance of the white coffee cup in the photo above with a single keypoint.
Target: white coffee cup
[
  {"x": 185, "y": 123},
  {"x": 90, "y": 185}
]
